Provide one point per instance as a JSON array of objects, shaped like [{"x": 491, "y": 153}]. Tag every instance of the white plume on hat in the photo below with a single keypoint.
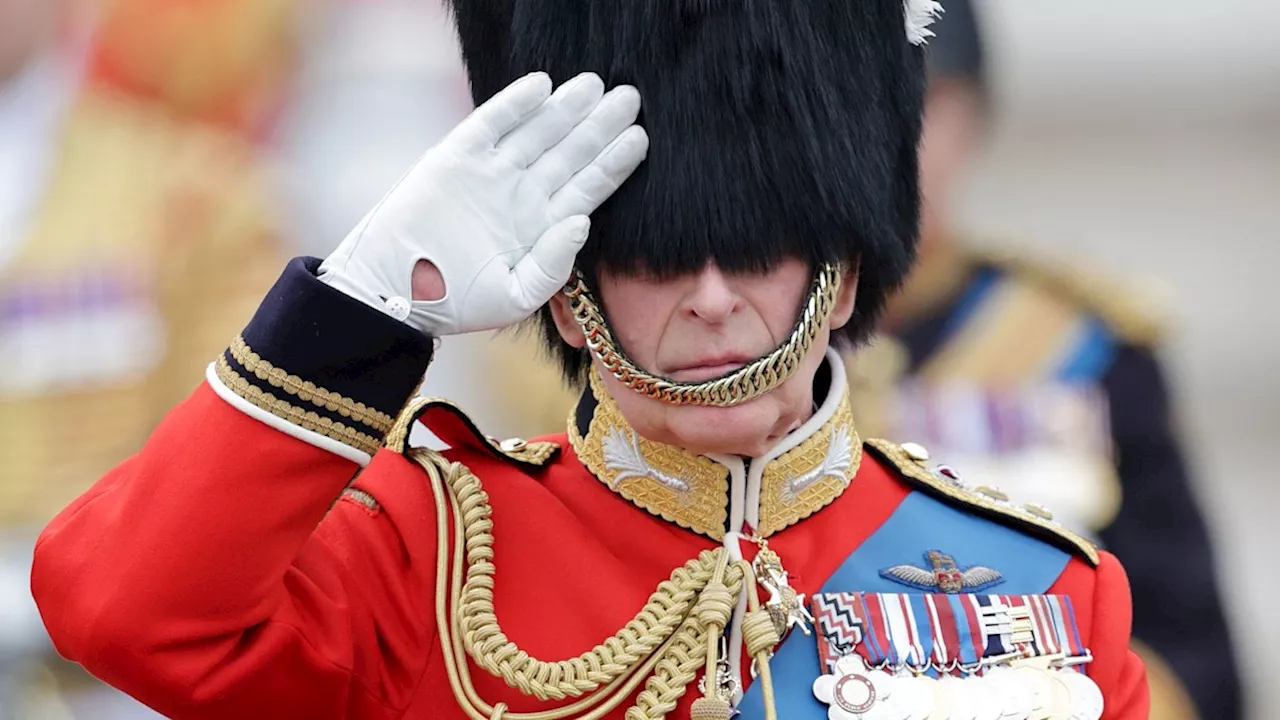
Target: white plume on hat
[{"x": 920, "y": 14}]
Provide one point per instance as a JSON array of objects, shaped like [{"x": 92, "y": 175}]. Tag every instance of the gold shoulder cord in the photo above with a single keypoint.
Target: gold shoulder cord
[
  {"x": 673, "y": 636},
  {"x": 746, "y": 383}
]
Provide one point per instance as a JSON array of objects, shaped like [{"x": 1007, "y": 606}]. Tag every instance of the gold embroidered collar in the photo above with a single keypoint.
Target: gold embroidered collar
[{"x": 804, "y": 473}]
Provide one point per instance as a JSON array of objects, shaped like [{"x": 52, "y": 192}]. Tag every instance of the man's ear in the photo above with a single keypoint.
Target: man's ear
[
  {"x": 845, "y": 300},
  {"x": 570, "y": 330}
]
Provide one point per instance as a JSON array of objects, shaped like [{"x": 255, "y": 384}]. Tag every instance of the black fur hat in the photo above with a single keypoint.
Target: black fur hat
[{"x": 777, "y": 128}]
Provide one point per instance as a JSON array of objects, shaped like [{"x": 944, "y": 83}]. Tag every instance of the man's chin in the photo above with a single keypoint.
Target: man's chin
[{"x": 746, "y": 429}]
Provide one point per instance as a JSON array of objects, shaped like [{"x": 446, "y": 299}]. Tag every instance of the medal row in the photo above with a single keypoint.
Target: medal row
[{"x": 952, "y": 657}]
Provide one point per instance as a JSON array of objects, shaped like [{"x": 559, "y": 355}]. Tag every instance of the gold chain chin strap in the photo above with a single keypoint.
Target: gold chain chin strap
[
  {"x": 746, "y": 383},
  {"x": 664, "y": 646}
]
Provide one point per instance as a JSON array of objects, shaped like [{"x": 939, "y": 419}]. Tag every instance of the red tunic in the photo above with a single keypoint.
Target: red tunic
[{"x": 212, "y": 575}]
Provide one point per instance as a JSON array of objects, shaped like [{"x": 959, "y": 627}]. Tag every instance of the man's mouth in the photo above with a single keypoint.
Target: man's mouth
[{"x": 709, "y": 368}]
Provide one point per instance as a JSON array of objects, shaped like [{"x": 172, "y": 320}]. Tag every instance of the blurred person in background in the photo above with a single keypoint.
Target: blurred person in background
[
  {"x": 1035, "y": 376},
  {"x": 135, "y": 236},
  {"x": 1043, "y": 378}
]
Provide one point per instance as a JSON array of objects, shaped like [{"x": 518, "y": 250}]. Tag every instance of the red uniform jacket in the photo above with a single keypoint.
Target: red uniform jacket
[{"x": 213, "y": 575}]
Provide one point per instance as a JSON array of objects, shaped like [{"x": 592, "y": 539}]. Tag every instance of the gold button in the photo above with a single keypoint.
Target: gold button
[
  {"x": 512, "y": 444},
  {"x": 916, "y": 452},
  {"x": 993, "y": 493},
  {"x": 1038, "y": 510}
]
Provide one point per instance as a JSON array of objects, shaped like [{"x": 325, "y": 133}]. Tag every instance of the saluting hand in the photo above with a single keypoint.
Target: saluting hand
[{"x": 499, "y": 207}]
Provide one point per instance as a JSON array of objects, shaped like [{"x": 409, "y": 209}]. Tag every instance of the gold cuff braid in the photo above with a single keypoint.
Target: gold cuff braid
[
  {"x": 292, "y": 413},
  {"x": 746, "y": 383},
  {"x": 306, "y": 390}
]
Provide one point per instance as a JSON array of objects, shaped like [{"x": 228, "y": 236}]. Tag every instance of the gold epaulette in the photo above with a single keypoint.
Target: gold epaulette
[
  {"x": 448, "y": 422},
  {"x": 1131, "y": 308},
  {"x": 910, "y": 460}
]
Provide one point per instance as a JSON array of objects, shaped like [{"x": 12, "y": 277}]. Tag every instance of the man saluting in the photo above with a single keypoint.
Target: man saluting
[{"x": 710, "y": 536}]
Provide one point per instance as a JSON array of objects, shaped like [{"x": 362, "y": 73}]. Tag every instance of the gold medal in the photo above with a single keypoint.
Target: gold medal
[
  {"x": 1052, "y": 700},
  {"x": 1060, "y": 704}
]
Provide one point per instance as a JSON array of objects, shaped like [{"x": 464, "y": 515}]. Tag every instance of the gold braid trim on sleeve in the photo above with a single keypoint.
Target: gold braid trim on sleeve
[
  {"x": 308, "y": 391},
  {"x": 291, "y": 413}
]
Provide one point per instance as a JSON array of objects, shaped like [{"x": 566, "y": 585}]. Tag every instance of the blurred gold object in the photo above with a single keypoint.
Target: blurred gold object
[
  {"x": 1134, "y": 308},
  {"x": 41, "y": 691},
  {"x": 1169, "y": 699},
  {"x": 171, "y": 220},
  {"x": 222, "y": 60},
  {"x": 873, "y": 373},
  {"x": 534, "y": 395}
]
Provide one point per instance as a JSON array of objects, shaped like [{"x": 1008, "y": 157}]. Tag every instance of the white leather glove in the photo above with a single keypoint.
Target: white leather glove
[{"x": 499, "y": 206}]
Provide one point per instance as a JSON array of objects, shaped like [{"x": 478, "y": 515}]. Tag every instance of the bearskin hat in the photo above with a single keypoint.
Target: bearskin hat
[{"x": 777, "y": 128}]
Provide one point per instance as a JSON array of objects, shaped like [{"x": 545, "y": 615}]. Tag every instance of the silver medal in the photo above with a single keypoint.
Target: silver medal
[
  {"x": 987, "y": 692},
  {"x": 964, "y": 703},
  {"x": 1086, "y": 699},
  {"x": 943, "y": 704},
  {"x": 913, "y": 696},
  {"x": 883, "y": 681},
  {"x": 1009, "y": 693},
  {"x": 889, "y": 708},
  {"x": 848, "y": 691},
  {"x": 1042, "y": 688}
]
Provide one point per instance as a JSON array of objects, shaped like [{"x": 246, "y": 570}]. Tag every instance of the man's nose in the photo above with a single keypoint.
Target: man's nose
[{"x": 712, "y": 297}]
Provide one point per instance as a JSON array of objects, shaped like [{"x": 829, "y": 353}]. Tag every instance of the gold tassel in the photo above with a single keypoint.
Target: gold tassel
[{"x": 710, "y": 708}]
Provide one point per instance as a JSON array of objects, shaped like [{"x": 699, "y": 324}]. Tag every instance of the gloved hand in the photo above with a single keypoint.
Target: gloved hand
[{"x": 499, "y": 206}]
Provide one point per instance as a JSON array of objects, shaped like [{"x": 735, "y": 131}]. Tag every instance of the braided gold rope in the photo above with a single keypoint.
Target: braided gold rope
[
  {"x": 687, "y": 654},
  {"x": 665, "y": 642},
  {"x": 746, "y": 383}
]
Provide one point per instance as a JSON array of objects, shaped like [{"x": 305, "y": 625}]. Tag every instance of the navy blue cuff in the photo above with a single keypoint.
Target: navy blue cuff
[{"x": 325, "y": 361}]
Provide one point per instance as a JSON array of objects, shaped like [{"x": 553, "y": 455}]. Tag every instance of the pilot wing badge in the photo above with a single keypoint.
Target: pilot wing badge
[{"x": 943, "y": 575}]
